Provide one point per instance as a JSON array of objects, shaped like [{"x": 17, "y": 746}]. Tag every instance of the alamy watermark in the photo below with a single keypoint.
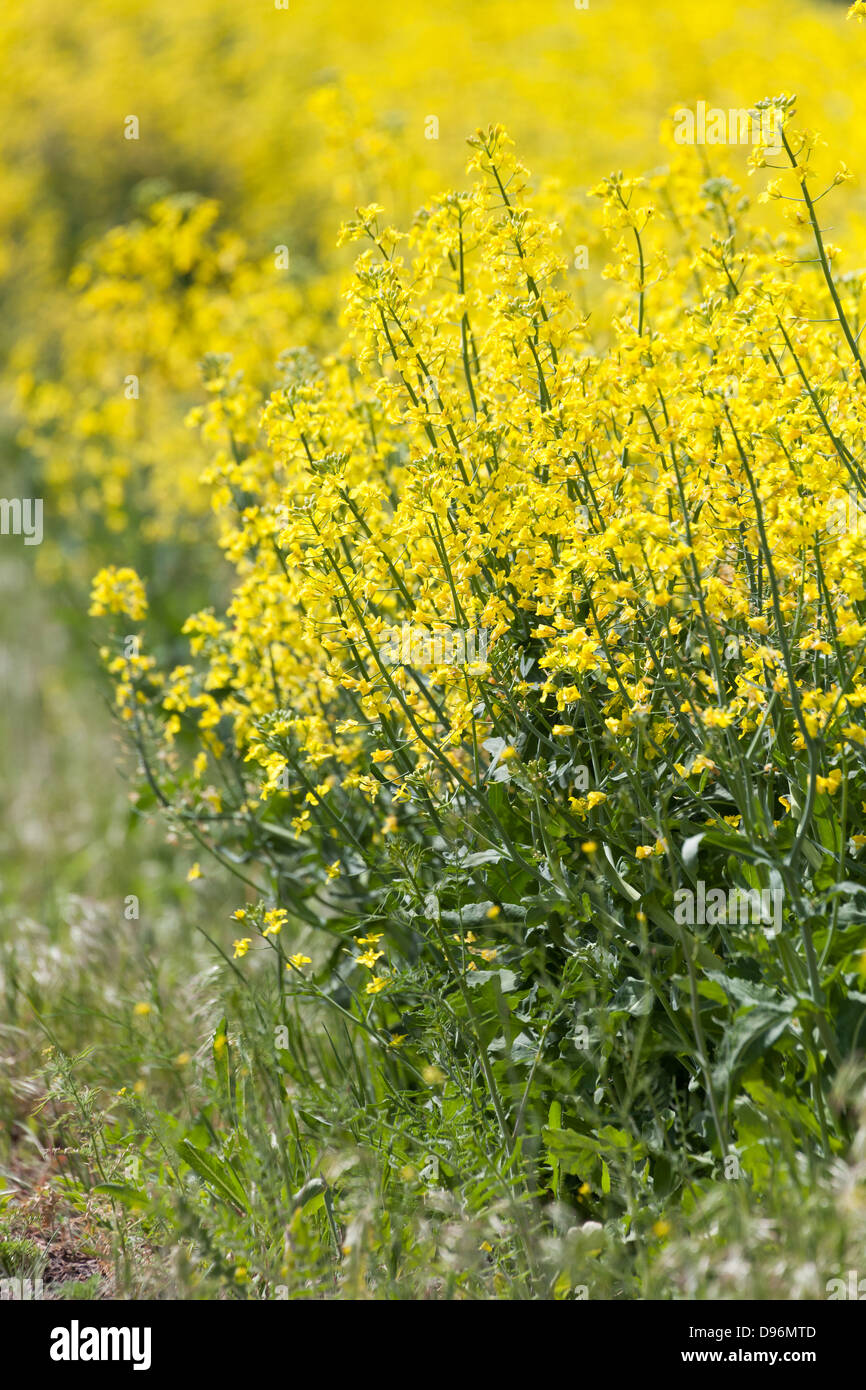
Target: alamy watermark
[
  {"x": 845, "y": 513},
  {"x": 77, "y": 1343},
  {"x": 710, "y": 907},
  {"x": 22, "y": 516},
  {"x": 852, "y": 1287},
  {"x": 15, "y": 1289},
  {"x": 713, "y": 126},
  {"x": 419, "y": 646}
]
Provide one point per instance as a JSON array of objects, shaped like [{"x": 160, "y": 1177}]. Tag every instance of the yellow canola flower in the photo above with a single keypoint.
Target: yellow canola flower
[
  {"x": 369, "y": 958},
  {"x": 274, "y": 921},
  {"x": 830, "y": 784},
  {"x": 118, "y": 590},
  {"x": 483, "y": 470}
]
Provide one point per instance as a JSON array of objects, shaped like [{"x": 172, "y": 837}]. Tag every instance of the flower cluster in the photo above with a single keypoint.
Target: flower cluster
[{"x": 655, "y": 518}]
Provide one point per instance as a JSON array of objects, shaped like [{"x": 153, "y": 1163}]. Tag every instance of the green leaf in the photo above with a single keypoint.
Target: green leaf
[
  {"x": 772, "y": 1102},
  {"x": 752, "y": 1034},
  {"x": 573, "y": 1153},
  {"x": 749, "y": 993},
  {"x": 311, "y": 1196},
  {"x": 220, "y": 1049},
  {"x": 129, "y": 1196},
  {"x": 217, "y": 1173},
  {"x": 579, "y": 1153},
  {"x": 506, "y": 979},
  {"x": 633, "y": 997}
]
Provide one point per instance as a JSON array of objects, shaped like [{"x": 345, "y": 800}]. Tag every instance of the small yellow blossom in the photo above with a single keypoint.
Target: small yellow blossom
[
  {"x": 118, "y": 591},
  {"x": 830, "y": 784},
  {"x": 369, "y": 958},
  {"x": 274, "y": 919}
]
